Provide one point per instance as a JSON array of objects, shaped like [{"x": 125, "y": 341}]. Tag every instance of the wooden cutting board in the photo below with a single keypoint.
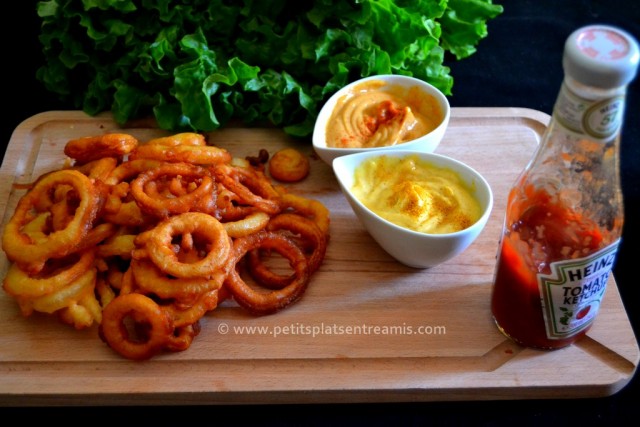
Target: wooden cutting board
[{"x": 368, "y": 329}]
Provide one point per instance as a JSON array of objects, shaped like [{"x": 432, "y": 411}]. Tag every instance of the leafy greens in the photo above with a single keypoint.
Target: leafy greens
[{"x": 196, "y": 64}]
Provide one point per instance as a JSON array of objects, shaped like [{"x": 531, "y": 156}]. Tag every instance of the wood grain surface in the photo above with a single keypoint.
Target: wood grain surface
[{"x": 368, "y": 329}]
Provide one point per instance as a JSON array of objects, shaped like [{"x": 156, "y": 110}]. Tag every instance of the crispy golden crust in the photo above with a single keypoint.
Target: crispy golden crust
[{"x": 289, "y": 165}]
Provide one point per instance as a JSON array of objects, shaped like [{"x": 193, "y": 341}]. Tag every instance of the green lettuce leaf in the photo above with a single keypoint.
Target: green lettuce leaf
[{"x": 197, "y": 64}]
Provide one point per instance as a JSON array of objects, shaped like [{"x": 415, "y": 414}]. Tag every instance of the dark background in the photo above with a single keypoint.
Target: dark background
[{"x": 517, "y": 65}]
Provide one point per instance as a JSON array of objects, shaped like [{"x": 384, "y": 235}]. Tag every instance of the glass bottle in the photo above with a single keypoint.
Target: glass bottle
[{"x": 564, "y": 215}]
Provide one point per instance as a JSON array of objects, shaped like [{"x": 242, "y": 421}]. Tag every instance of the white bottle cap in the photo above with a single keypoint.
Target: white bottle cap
[{"x": 602, "y": 56}]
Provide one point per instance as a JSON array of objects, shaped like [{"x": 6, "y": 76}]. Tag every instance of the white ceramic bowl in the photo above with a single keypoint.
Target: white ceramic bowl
[
  {"x": 426, "y": 143},
  {"x": 412, "y": 248}
]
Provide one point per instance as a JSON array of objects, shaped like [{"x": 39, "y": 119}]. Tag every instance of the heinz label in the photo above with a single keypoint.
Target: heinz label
[{"x": 572, "y": 293}]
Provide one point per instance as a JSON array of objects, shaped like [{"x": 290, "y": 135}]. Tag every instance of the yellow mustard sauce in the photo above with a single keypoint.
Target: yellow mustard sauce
[
  {"x": 415, "y": 194},
  {"x": 376, "y": 114}
]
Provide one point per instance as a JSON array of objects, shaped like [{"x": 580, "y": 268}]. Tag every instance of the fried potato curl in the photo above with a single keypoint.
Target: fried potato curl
[{"x": 143, "y": 239}]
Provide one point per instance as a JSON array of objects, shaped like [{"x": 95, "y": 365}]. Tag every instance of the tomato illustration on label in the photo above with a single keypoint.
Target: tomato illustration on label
[{"x": 582, "y": 313}]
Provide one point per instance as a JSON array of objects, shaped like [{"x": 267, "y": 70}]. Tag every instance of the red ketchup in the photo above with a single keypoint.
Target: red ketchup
[{"x": 526, "y": 251}]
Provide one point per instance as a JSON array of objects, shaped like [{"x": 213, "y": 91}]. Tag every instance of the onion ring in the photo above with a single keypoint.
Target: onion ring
[
  {"x": 89, "y": 148},
  {"x": 153, "y": 326},
  {"x": 312, "y": 237},
  {"x": 157, "y": 243},
  {"x": 182, "y": 337},
  {"x": 98, "y": 169},
  {"x": 251, "y": 187},
  {"x": 194, "y": 154},
  {"x": 18, "y": 283},
  {"x": 130, "y": 169},
  {"x": 191, "y": 314},
  {"x": 31, "y": 256},
  {"x": 150, "y": 279},
  {"x": 120, "y": 208},
  {"x": 257, "y": 302},
  {"x": 308, "y": 207},
  {"x": 97, "y": 235},
  {"x": 200, "y": 199},
  {"x": 252, "y": 223},
  {"x": 185, "y": 138},
  {"x": 228, "y": 206}
]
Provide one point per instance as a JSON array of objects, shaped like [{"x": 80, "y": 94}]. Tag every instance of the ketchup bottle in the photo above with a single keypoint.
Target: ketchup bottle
[{"x": 564, "y": 214}]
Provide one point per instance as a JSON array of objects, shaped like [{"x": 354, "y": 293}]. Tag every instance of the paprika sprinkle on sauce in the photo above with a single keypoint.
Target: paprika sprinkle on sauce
[
  {"x": 376, "y": 114},
  {"x": 415, "y": 194}
]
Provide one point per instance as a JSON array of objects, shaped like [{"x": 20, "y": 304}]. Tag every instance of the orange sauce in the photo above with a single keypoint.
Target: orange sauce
[{"x": 376, "y": 113}]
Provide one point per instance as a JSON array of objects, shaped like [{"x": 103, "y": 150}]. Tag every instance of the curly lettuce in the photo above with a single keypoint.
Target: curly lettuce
[{"x": 197, "y": 64}]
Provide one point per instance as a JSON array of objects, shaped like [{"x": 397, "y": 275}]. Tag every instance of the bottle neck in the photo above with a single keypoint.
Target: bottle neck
[
  {"x": 588, "y": 111},
  {"x": 592, "y": 92},
  {"x": 577, "y": 162}
]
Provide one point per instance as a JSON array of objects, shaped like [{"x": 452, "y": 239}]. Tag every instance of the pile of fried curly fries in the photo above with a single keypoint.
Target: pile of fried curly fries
[{"x": 144, "y": 239}]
